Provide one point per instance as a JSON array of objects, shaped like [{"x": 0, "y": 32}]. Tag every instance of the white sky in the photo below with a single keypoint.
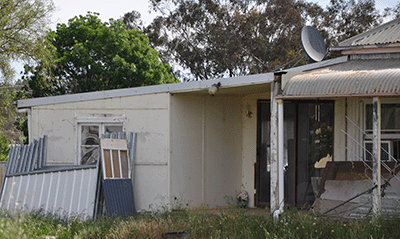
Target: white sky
[{"x": 67, "y": 9}]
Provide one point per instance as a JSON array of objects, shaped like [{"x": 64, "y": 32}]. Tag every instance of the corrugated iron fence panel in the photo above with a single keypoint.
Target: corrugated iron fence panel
[
  {"x": 118, "y": 195},
  {"x": 70, "y": 192},
  {"x": 25, "y": 158}
]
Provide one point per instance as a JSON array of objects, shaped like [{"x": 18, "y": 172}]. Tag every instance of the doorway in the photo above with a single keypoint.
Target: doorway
[{"x": 308, "y": 139}]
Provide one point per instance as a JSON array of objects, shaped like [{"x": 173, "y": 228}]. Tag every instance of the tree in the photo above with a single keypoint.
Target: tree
[
  {"x": 23, "y": 24},
  {"x": 393, "y": 12},
  {"x": 347, "y": 18},
  {"x": 8, "y": 132},
  {"x": 4, "y": 147},
  {"x": 226, "y": 38},
  {"x": 205, "y": 39},
  {"x": 92, "y": 55}
]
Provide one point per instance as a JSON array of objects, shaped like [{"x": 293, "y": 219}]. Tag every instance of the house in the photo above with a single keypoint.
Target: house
[{"x": 197, "y": 149}]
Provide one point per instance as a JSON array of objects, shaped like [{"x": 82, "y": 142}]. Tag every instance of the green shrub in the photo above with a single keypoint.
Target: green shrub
[{"x": 4, "y": 147}]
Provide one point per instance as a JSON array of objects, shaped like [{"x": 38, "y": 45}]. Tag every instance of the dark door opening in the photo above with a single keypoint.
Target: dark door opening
[
  {"x": 314, "y": 144},
  {"x": 263, "y": 176},
  {"x": 308, "y": 139}
]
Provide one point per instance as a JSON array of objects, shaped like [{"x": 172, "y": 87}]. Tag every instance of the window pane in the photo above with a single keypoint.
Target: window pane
[
  {"x": 112, "y": 128},
  {"x": 90, "y": 135},
  {"x": 390, "y": 116},
  {"x": 90, "y": 154}
]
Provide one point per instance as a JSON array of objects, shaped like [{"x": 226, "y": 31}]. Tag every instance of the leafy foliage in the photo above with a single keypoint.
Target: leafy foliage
[
  {"x": 227, "y": 38},
  {"x": 393, "y": 11},
  {"x": 205, "y": 39},
  {"x": 92, "y": 55},
  {"x": 23, "y": 24},
  {"x": 8, "y": 114},
  {"x": 347, "y": 18},
  {"x": 4, "y": 147}
]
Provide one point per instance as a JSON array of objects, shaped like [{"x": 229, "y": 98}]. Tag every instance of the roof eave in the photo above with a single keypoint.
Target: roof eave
[{"x": 182, "y": 87}]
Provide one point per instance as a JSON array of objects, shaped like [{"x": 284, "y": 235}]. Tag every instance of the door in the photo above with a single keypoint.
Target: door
[
  {"x": 314, "y": 145},
  {"x": 263, "y": 176},
  {"x": 308, "y": 139}
]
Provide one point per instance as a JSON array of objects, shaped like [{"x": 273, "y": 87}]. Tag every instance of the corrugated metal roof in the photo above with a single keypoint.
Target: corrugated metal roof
[
  {"x": 383, "y": 34},
  {"x": 354, "y": 78}
]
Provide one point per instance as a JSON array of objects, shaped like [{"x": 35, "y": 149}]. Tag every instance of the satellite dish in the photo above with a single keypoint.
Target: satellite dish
[{"x": 313, "y": 43}]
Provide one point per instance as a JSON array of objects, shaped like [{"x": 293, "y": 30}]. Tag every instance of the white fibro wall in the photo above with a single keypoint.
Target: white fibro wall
[
  {"x": 206, "y": 146},
  {"x": 147, "y": 115}
]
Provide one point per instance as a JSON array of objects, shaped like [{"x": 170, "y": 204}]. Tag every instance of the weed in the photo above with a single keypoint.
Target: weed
[{"x": 231, "y": 222}]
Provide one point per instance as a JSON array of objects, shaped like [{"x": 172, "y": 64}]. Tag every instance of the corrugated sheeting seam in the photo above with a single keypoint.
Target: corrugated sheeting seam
[{"x": 70, "y": 192}]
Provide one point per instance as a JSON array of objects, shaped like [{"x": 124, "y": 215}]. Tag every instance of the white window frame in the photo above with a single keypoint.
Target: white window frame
[
  {"x": 388, "y": 154},
  {"x": 101, "y": 120},
  {"x": 387, "y": 135}
]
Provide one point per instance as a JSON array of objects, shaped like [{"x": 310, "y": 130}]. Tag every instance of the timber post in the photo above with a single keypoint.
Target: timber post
[{"x": 376, "y": 153}]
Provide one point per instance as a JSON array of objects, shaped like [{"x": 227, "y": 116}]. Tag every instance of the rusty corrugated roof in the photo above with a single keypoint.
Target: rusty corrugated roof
[
  {"x": 353, "y": 78},
  {"x": 383, "y": 34}
]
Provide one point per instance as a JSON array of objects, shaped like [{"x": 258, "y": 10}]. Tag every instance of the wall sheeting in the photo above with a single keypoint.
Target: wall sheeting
[
  {"x": 187, "y": 154},
  {"x": 206, "y": 148},
  {"x": 354, "y": 150},
  {"x": 223, "y": 149},
  {"x": 339, "y": 144},
  {"x": 147, "y": 115}
]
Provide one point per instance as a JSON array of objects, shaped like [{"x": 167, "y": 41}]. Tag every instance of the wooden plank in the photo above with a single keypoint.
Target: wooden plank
[{"x": 114, "y": 158}]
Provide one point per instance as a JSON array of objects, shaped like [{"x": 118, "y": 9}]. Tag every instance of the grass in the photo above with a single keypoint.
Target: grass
[{"x": 200, "y": 223}]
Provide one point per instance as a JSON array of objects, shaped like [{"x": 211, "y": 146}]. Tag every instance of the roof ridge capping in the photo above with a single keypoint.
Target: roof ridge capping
[{"x": 386, "y": 33}]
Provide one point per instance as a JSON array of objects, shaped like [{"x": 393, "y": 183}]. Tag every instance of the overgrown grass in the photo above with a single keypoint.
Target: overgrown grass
[{"x": 199, "y": 223}]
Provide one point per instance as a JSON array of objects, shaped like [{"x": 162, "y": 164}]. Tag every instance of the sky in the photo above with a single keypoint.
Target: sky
[{"x": 66, "y": 9}]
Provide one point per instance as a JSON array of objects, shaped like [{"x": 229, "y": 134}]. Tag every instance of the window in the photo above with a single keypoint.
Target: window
[
  {"x": 390, "y": 131},
  {"x": 89, "y": 140},
  {"x": 390, "y": 117},
  {"x": 386, "y": 150}
]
